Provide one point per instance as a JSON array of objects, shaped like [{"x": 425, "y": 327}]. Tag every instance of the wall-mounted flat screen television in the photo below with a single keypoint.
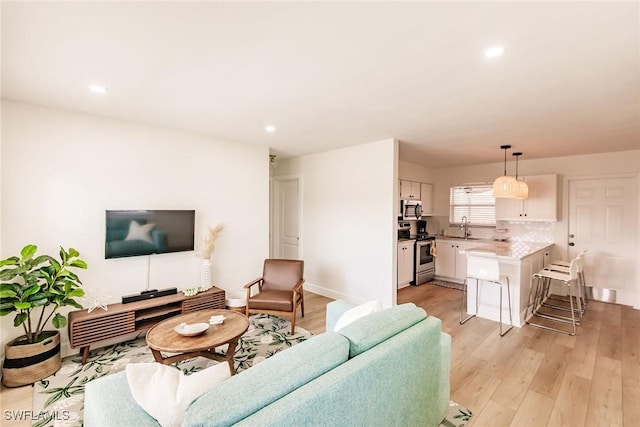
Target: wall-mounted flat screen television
[{"x": 146, "y": 232}]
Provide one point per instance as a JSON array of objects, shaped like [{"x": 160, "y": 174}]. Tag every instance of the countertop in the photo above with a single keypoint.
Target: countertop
[
  {"x": 405, "y": 240},
  {"x": 468, "y": 239},
  {"x": 509, "y": 250}
]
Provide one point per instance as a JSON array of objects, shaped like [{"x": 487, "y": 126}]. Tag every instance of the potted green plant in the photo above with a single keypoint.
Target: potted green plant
[{"x": 35, "y": 288}]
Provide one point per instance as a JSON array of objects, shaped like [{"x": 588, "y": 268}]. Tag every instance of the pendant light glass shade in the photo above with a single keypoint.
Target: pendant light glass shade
[
  {"x": 505, "y": 186},
  {"x": 522, "y": 190}
]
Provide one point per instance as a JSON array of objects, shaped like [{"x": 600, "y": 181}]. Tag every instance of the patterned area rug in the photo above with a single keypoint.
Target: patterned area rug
[
  {"x": 446, "y": 284},
  {"x": 457, "y": 416},
  {"x": 58, "y": 401}
]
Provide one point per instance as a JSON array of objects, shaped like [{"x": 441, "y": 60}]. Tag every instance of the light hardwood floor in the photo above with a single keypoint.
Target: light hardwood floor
[
  {"x": 535, "y": 377},
  {"x": 529, "y": 377}
]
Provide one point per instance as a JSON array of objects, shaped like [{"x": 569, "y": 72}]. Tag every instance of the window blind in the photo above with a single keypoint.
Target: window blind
[{"x": 475, "y": 201}]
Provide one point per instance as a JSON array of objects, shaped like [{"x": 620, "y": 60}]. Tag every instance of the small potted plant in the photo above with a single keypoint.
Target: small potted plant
[{"x": 35, "y": 288}]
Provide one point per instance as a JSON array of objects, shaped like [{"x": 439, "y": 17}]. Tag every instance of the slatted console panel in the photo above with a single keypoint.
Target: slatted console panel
[
  {"x": 205, "y": 303},
  {"x": 120, "y": 319}
]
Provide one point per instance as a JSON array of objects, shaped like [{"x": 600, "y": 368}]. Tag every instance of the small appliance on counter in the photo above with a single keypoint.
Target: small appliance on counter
[
  {"x": 501, "y": 234},
  {"x": 422, "y": 227},
  {"x": 404, "y": 230}
]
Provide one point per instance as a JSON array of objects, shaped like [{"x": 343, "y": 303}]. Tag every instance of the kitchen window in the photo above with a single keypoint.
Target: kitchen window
[{"x": 475, "y": 201}]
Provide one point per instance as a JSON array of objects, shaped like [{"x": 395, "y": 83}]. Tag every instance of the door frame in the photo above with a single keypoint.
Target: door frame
[
  {"x": 562, "y": 232},
  {"x": 274, "y": 212}
]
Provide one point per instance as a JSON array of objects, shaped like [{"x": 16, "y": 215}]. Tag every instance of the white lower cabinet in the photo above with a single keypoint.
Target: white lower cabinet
[
  {"x": 406, "y": 252},
  {"x": 451, "y": 264}
]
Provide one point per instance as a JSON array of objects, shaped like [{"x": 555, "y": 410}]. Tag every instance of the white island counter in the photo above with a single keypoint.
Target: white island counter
[{"x": 518, "y": 260}]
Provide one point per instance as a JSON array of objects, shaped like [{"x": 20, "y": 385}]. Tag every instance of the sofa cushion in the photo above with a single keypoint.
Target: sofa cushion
[
  {"x": 356, "y": 313},
  {"x": 108, "y": 402},
  {"x": 165, "y": 392},
  {"x": 240, "y": 396},
  {"x": 371, "y": 330},
  {"x": 335, "y": 309}
]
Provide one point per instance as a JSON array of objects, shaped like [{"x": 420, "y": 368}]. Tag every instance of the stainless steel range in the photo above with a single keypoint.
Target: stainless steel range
[{"x": 425, "y": 265}]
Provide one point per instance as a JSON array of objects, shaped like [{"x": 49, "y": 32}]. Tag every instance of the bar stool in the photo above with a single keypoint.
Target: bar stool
[
  {"x": 570, "y": 279},
  {"x": 563, "y": 267},
  {"x": 487, "y": 269}
]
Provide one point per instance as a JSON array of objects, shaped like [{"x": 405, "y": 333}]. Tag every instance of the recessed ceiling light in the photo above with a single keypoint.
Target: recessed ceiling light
[
  {"x": 98, "y": 89},
  {"x": 270, "y": 129},
  {"x": 494, "y": 51}
]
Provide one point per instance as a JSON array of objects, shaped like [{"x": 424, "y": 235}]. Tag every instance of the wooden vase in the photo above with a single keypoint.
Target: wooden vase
[{"x": 27, "y": 363}]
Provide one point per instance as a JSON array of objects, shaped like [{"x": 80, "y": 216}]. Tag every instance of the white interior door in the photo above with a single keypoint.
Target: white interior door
[
  {"x": 603, "y": 220},
  {"x": 286, "y": 221}
]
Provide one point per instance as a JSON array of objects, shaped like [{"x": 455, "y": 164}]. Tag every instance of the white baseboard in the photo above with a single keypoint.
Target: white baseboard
[{"x": 332, "y": 293}]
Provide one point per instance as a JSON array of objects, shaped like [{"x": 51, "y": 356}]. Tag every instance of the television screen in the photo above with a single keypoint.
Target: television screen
[{"x": 146, "y": 232}]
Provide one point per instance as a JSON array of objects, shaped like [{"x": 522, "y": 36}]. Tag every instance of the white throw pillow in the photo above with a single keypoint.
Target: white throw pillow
[
  {"x": 165, "y": 392},
  {"x": 140, "y": 232},
  {"x": 357, "y": 312}
]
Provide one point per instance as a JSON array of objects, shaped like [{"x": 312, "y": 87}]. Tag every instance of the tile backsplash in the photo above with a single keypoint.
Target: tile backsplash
[
  {"x": 522, "y": 231},
  {"x": 529, "y": 231}
]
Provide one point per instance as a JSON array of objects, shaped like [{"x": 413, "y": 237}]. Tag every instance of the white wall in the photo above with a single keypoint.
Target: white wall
[
  {"x": 414, "y": 172},
  {"x": 349, "y": 223},
  {"x": 62, "y": 170}
]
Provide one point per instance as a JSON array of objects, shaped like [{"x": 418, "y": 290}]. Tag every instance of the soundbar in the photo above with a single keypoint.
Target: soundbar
[{"x": 144, "y": 295}]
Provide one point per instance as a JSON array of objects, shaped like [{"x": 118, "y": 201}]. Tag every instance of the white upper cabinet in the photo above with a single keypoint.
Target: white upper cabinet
[
  {"x": 541, "y": 205},
  {"x": 426, "y": 195},
  {"x": 409, "y": 190}
]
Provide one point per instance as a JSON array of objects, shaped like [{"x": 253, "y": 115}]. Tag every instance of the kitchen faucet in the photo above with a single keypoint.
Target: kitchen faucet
[{"x": 464, "y": 226}]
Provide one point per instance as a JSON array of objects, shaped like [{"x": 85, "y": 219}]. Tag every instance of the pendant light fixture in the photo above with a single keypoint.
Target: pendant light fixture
[
  {"x": 522, "y": 189},
  {"x": 505, "y": 186}
]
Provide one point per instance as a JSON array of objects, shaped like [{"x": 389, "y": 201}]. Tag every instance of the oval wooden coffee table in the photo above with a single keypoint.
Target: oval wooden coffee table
[{"x": 162, "y": 337}]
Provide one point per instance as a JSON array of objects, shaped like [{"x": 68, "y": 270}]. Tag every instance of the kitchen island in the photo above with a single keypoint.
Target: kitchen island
[{"x": 518, "y": 260}]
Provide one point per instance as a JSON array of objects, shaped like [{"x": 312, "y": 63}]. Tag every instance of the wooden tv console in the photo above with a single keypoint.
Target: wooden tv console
[{"x": 120, "y": 319}]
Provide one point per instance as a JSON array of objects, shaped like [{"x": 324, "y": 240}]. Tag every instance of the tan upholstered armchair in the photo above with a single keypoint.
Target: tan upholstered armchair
[{"x": 279, "y": 289}]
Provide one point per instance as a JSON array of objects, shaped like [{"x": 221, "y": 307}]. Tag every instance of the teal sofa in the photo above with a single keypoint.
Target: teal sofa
[{"x": 390, "y": 368}]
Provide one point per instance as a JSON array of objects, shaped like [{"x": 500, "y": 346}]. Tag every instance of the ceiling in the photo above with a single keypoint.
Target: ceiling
[{"x": 330, "y": 75}]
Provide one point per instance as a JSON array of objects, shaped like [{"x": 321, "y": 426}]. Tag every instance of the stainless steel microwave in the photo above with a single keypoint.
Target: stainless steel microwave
[{"x": 410, "y": 209}]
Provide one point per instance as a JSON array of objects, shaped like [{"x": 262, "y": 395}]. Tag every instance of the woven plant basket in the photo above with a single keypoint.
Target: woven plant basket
[{"x": 27, "y": 363}]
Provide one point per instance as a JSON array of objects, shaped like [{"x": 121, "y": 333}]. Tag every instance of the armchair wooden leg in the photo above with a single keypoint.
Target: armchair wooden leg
[
  {"x": 293, "y": 322},
  {"x": 247, "y": 303},
  {"x": 302, "y": 301}
]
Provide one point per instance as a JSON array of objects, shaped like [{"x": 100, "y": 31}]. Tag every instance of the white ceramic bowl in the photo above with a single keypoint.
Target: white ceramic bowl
[{"x": 191, "y": 330}]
